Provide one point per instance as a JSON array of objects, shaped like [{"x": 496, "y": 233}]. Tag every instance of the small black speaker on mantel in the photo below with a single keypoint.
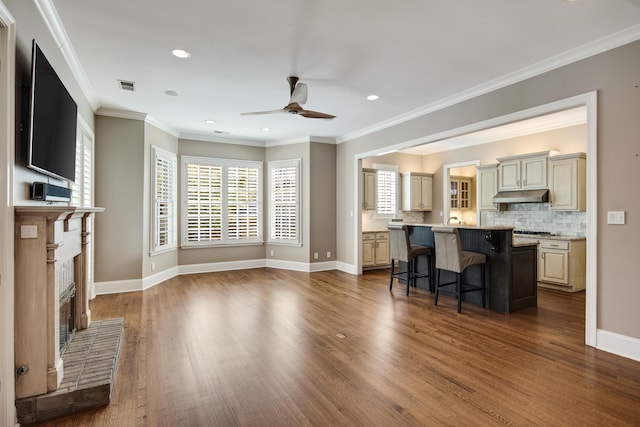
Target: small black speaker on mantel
[{"x": 50, "y": 193}]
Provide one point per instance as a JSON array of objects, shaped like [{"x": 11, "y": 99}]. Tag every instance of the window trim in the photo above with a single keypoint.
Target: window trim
[
  {"x": 277, "y": 164},
  {"x": 224, "y": 164},
  {"x": 155, "y": 248}
]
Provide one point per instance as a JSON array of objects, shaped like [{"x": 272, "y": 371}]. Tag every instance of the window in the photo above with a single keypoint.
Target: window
[
  {"x": 163, "y": 222},
  {"x": 82, "y": 188},
  {"x": 222, "y": 202},
  {"x": 284, "y": 202},
  {"x": 387, "y": 189}
]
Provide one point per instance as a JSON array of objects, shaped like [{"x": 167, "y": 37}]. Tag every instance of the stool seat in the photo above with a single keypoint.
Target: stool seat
[
  {"x": 451, "y": 257},
  {"x": 403, "y": 250}
]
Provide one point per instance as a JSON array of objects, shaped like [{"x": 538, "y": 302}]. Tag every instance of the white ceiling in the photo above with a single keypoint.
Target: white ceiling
[{"x": 413, "y": 53}]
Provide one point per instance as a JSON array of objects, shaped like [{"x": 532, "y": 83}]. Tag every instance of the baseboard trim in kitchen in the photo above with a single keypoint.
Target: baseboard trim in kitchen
[{"x": 621, "y": 345}]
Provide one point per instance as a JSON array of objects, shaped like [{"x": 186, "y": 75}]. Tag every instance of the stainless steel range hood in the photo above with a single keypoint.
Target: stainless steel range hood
[{"x": 522, "y": 196}]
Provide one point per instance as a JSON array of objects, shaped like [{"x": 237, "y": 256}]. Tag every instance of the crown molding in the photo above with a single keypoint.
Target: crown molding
[
  {"x": 609, "y": 42},
  {"x": 52, "y": 19},
  {"x": 121, "y": 114},
  {"x": 221, "y": 140}
]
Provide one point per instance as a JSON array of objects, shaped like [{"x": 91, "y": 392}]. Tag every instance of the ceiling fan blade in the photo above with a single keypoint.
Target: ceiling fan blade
[
  {"x": 255, "y": 113},
  {"x": 299, "y": 95},
  {"x": 315, "y": 114}
]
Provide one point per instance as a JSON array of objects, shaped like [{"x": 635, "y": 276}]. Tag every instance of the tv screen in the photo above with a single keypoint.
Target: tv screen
[{"x": 52, "y": 121}]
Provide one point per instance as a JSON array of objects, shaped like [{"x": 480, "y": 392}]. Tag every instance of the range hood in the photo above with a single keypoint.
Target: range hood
[{"x": 522, "y": 196}]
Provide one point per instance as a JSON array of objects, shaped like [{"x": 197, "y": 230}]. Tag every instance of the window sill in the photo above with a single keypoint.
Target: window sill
[{"x": 219, "y": 245}]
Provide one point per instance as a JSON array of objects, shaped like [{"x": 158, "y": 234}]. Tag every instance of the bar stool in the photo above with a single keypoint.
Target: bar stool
[
  {"x": 403, "y": 250},
  {"x": 451, "y": 257}
]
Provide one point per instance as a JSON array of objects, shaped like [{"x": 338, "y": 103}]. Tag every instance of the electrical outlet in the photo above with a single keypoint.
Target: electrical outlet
[
  {"x": 153, "y": 266},
  {"x": 328, "y": 254},
  {"x": 616, "y": 217},
  {"x": 271, "y": 253},
  {"x": 315, "y": 255}
]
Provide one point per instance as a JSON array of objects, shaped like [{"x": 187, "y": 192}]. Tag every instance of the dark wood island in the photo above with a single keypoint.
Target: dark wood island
[{"x": 511, "y": 270}]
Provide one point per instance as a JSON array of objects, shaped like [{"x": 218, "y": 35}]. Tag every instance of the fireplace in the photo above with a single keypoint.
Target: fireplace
[{"x": 51, "y": 294}]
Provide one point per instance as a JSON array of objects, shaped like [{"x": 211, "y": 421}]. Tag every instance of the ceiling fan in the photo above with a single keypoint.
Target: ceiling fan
[{"x": 298, "y": 98}]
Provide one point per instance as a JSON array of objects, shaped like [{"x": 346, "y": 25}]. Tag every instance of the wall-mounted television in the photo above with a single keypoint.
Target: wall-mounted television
[{"x": 53, "y": 116}]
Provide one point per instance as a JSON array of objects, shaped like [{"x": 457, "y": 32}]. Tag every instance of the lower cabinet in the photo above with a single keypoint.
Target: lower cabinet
[
  {"x": 375, "y": 250},
  {"x": 562, "y": 264}
]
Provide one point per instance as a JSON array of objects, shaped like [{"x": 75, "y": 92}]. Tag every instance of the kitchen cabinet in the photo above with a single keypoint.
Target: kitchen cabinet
[
  {"x": 417, "y": 191},
  {"x": 488, "y": 179},
  {"x": 375, "y": 249},
  {"x": 525, "y": 172},
  {"x": 369, "y": 190},
  {"x": 461, "y": 193},
  {"x": 562, "y": 264},
  {"x": 567, "y": 182}
]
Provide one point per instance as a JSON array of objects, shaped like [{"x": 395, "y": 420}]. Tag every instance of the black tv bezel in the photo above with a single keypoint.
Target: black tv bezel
[{"x": 35, "y": 64}]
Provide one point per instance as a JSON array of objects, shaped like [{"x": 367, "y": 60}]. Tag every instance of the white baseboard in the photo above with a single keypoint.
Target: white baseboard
[
  {"x": 117, "y": 286},
  {"x": 621, "y": 345},
  {"x": 159, "y": 277},
  {"x": 347, "y": 268},
  {"x": 322, "y": 266},
  {"x": 221, "y": 266}
]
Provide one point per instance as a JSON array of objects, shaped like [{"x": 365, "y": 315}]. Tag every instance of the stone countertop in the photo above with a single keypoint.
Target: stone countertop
[
  {"x": 375, "y": 230},
  {"x": 474, "y": 227},
  {"x": 545, "y": 237}
]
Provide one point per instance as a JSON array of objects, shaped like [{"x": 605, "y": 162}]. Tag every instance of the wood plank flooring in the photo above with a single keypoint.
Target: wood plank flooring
[{"x": 272, "y": 347}]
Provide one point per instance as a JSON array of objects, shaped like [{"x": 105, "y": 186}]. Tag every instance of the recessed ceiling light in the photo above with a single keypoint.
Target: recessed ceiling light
[
  {"x": 266, "y": 129},
  {"x": 210, "y": 121},
  {"x": 171, "y": 92},
  {"x": 180, "y": 53},
  {"x": 373, "y": 97}
]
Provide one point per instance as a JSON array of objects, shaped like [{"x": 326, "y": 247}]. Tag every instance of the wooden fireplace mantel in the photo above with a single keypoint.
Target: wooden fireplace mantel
[{"x": 46, "y": 237}]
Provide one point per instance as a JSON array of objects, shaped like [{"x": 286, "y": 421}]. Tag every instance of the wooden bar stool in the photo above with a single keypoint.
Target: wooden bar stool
[
  {"x": 451, "y": 257},
  {"x": 403, "y": 250}
]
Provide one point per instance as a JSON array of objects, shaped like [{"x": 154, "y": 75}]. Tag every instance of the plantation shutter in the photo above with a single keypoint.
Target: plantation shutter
[
  {"x": 164, "y": 233},
  {"x": 284, "y": 212},
  {"x": 387, "y": 191}
]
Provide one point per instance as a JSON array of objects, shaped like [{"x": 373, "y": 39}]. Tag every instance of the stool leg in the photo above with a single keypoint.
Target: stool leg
[
  {"x": 437, "y": 289},
  {"x": 459, "y": 291},
  {"x": 409, "y": 275},
  {"x": 484, "y": 289},
  {"x": 391, "y": 275}
]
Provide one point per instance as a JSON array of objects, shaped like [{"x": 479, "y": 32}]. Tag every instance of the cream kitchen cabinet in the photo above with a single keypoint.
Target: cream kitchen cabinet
[
  {"x": 417, "y": 191},
  {"x": 461, "y": 188},
  {"x": 369, "y": 190},
  {"x": 375, "y": 249},
  {"x": 562, "y": 264},
  {"x": 525, "y": 172},
  {"x": 488, "y": 179},
  {"x": 567, "y": 182}
]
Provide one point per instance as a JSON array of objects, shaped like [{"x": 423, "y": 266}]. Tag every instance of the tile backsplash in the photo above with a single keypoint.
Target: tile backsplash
[{"x": 538, "y": 217}]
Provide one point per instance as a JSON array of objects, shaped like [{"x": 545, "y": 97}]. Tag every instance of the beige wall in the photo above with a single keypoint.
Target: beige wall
[
  {"x": 614, "y": 75},
  {"x": 119, "y": 188},
  {"x": 322, "y": 212}
]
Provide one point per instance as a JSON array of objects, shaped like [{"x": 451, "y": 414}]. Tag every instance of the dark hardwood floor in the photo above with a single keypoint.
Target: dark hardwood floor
[{"x": 270, "y": 347}]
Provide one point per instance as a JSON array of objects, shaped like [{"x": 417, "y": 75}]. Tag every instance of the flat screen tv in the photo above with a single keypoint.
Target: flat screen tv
[{"x": 52, "y": 121}]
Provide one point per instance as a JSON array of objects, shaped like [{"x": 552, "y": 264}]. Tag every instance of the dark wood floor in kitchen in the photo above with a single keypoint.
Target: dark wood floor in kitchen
[{"x": 272, "y": 347}]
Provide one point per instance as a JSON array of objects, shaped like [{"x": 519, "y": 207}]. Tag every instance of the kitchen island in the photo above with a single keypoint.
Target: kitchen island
[{"x": 511, "y": 270}]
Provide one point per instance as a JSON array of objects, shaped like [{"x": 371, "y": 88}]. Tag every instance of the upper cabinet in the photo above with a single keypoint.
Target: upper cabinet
[
  {"x": 417, "y": 194},
  {"x": 567, "y": 182},
  {"x": 488, "y": 179},
  {"x": 460, "y": 191},
  {"x": 525, "y": 172},
  {"x": 369, "y": 189}
]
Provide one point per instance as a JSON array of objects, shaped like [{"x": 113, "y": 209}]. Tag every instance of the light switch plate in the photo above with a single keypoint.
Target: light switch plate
[
  {"x": 616, "y": 217},
  {"x": 28, "y": 231}
]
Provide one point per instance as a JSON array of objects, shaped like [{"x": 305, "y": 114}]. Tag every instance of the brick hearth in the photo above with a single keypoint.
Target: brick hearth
[{"x": 90, "y": 364}]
